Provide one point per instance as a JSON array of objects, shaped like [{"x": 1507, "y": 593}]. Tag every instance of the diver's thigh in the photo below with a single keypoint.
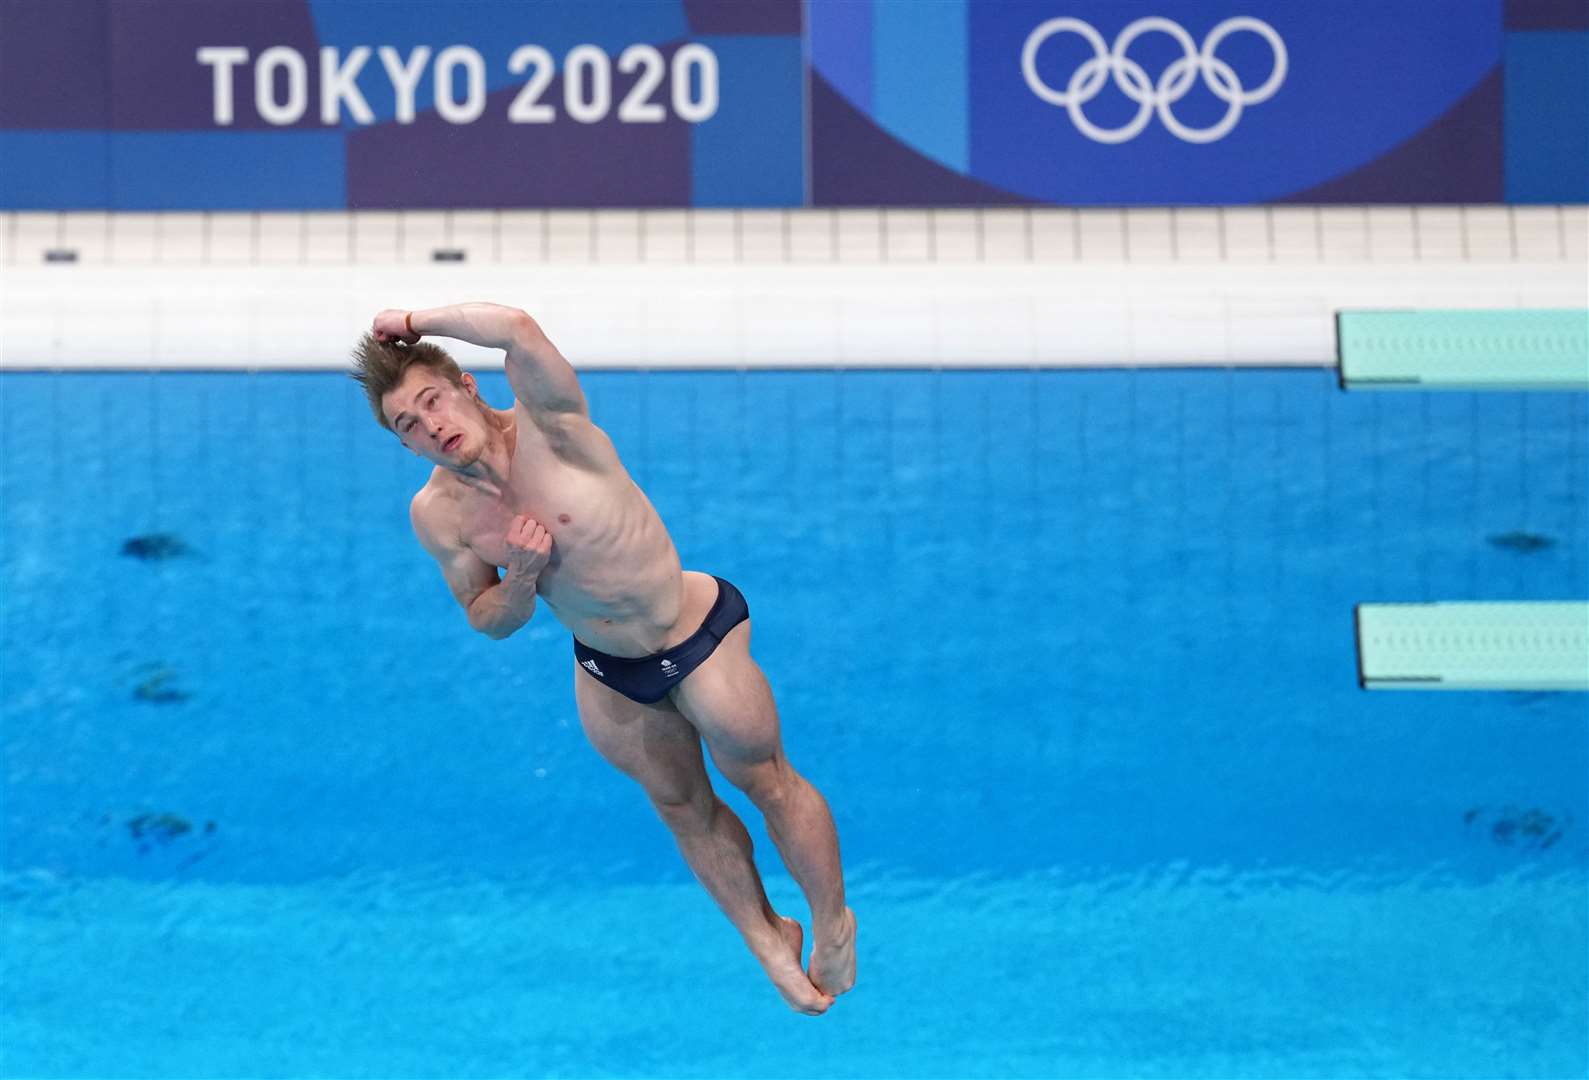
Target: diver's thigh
[
  {"x": 729, "y": 702},
  {"x": 653, "y": 744}
]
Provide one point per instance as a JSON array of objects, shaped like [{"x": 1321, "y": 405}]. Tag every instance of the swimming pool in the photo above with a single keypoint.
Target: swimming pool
[{"x": 1070, "y": 654}]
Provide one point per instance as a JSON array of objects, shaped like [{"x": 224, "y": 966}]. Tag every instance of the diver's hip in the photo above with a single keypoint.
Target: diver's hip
[{"x": 636, "y": 622}]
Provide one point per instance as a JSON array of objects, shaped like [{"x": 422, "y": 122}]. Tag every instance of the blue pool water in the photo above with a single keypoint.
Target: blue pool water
[{"x": 1070, "y": 654}]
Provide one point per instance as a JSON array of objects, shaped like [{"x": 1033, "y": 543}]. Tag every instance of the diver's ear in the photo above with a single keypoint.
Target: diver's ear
[{"x": 470, "y": 385}]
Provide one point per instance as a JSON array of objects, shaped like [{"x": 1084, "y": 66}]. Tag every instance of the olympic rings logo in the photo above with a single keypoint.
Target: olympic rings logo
[{"x": 1174, "y": 84}]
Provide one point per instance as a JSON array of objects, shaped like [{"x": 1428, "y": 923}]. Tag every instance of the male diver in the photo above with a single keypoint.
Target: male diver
[{"x": 662, "y": 655}]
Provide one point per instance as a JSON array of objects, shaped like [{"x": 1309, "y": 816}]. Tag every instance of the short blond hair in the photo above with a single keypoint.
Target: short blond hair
[{"x": 379, "y": 367}]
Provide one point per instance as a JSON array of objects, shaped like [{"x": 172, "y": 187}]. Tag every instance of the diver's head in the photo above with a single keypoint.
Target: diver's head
[{"x": 419, "y": 393}]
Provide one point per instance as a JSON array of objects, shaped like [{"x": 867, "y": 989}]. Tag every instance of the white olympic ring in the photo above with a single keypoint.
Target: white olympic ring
[{"x": 1174, "y": 84}]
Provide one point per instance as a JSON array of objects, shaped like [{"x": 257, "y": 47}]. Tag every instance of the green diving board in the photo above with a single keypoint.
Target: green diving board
[
  {"x": 1484, "y": 646},
  {"x": 1463, "y": 350}
]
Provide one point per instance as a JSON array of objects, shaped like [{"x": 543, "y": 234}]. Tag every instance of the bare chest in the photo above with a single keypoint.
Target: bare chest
[
  {"x": 611, "y": 558},
  {"x": 486, "y": 521}
]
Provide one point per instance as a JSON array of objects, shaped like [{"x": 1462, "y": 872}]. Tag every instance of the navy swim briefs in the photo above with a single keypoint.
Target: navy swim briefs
[{"x": 648, "y": 679}]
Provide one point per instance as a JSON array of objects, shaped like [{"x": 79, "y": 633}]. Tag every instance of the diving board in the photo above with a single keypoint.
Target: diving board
[
  {"x": 1473, "y": 646},
  {"x": 1512, "y": 349}
]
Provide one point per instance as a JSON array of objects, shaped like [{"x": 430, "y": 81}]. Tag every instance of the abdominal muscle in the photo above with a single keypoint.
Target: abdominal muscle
[{"x": 619, "y": 589}]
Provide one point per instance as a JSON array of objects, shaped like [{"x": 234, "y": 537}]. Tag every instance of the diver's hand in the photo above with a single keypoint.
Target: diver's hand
[
  {"x": 393, "y": 325},
  {"x": 529, "y": 547}
]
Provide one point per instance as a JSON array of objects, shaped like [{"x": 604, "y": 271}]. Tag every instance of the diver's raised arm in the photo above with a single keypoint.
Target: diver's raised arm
[{"x": 542, "y": 380}]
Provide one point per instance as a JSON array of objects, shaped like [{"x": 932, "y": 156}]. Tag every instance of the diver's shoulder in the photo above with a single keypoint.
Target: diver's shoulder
[
  {"x": 571, "y": 435},
  {"x": 433, "y": 513},
  {"x": 434, "y": 497}
]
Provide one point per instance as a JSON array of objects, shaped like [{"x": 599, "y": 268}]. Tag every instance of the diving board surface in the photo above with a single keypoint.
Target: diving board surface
[
  {"x": 1473, "y": 646},
  {"x": 1512, "y": 349}
]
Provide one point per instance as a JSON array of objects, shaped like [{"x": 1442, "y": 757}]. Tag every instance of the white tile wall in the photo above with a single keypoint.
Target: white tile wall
[
  {"x": 35, "y": 234},
  {"x": 134, "y": 238},
  {"x": 607, "y": 322},
  {"x": 570, "y": 236},
  {"x": 184, "y": 329},
  {"x": 1574, "y": 231},
  {"x": 1488, "y": 234},
  {"x": 1150, "y": 235},
  {"x": 281, "y": 238},
  {"x": 1295, "y": 233},
  {"x": 1280, "y": 329},
  {"x": 475, "y": 233},
  {"x": 1065, "y": 331},
  {"x": 1246, "y": 230},
  {"x": 860, "y": 235},
  {"x": 885, "y": 328},
  {"x": 813, "y": 236},
  {"x": 714, "y": 236},
  {"x": 328, "y": 238},
  {"x": 88, "y": 234},
  {"x": 1392, "y": 233},
  {"x": 762, "y": 236},
  {"x": 677, "y": 326},
  {"x": 375, "y": 236},
  {"x": 788, "y": 330},
  {"x": 1539, "y": 232},
  {"x": 1102, "y": 236},
  {"x": 421, "y": 233},
  {"x": 1007, "y": 237},
  {"x": 1055, "y": 235},
  {"x": 32, "y": 334},
  {"x": 231, "y": 239},
  {"x": 964, "y": 339},
  {"x": 183, "y": 239},
  {"x": 956, "y": 235},
  {"x": 951, "y": 286},
  {"x": 999, "y": 235},
  {"x": 617, "y": 236},
  {"x": 665, "y": 236},
  {"x": 1343, "y": 232},
  {"x": 521, "y": 236},
  {"x": 1440, "y": 233},
  {"x": 907, "y": 236},
  {"x": 1193, "y": 328},
  {"x": 1198, "y": 236}
]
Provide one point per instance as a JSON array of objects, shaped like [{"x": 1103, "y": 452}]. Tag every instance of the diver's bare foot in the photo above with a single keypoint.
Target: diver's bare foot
[
  {"x": 833, "y": 960},
  {"x": 782, "y": 963}
]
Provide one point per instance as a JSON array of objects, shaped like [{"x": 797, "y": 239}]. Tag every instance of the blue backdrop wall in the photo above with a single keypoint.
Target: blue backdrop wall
[{"x": 336, "y": 104}]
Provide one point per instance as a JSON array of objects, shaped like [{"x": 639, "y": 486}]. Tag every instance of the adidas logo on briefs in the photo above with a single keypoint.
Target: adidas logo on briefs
[
  {"x": 591, "y": 664},
  {"x": 669, "y": 669}
]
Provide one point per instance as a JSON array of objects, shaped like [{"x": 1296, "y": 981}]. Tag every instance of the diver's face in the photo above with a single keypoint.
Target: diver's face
[{"x": 440, "y": 422}]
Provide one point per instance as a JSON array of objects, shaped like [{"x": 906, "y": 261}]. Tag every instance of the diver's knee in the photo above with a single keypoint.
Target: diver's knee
[
  {"x": 771, "y": 784},
  {"x": 685, "y": 812}
]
